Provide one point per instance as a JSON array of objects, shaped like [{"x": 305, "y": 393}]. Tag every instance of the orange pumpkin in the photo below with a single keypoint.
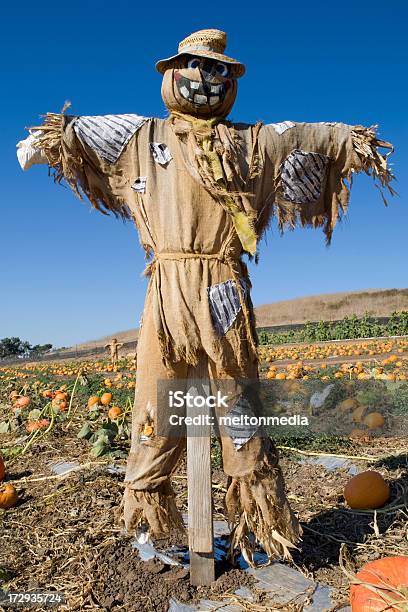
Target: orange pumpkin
[
  {"x": 374, "y": 420},
  {"x": 114, "y": 413},
  {"x": 383, "y": 574},
  {"x": 31, "y": 426},
  {"x": 34, "y": 425},
  {"x": 8, "y": 497},
  {"x": 106, "y": 399},
  {"x": 347, "y": 405},
  {"x": 358, "y": 414},
  {"x": 22, "y": 402},
  {"x": 93, "y": 401},
  {"x": 14, "y": 395},
  {"x": 60, "y": 404},
  {"x": 2, "y": 469},
  {"x": 60, "y": 396},
  {"x": 367, "y": 490}
]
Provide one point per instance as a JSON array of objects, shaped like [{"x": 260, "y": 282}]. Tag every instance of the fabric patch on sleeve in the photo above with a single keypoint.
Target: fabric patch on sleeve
[
  {"x": 280, "y": 128},
  {"x": 303, "y": 176},
  {"x": 237, "y": 426},
  {"x": 224, "y": 305},
  {"x": 108, "y": 135},
  {"x": 161, "y": 153},
  {"x": 140, "y": 184}
]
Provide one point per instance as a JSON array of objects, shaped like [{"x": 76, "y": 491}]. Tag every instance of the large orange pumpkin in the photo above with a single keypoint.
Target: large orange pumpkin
[
  {"x": 367, "y": 490},
  {"x": 383, "y": 574}
]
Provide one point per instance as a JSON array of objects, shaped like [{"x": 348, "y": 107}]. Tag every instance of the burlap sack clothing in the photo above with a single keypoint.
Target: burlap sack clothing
[{"x": 201, "y": 192}]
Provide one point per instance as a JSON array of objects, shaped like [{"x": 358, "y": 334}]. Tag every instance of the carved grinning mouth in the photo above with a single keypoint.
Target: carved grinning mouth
[{"x": 201, "y": 93}]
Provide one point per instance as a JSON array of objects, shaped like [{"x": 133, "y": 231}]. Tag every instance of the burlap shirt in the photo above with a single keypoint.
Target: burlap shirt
[{"x": 156, "y": 172}]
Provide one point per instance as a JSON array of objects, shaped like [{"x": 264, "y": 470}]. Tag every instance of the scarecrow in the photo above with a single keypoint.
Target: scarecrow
[
  {"x": 113, "y": 349},
  {"x": 201, "y": 191}
]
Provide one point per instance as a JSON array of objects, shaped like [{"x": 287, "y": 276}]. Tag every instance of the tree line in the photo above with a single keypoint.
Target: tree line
[{"x": 15, "y": 347}]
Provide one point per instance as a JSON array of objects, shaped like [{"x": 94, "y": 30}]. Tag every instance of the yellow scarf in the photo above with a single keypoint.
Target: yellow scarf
[{"x": 203, "y": 132}]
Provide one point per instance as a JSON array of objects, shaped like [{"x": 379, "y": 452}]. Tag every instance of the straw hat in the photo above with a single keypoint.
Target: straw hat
[{"x": 204, "y": 43}]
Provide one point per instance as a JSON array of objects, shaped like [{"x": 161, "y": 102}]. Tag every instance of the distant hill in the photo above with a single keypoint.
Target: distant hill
[
  {"x": 327, "y": 307},
  {"x": 332, "y": 306}
]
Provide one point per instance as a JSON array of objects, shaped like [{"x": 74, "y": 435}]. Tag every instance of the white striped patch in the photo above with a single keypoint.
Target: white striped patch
[
  {"x": 280, "y": 128},
  {"x": 235, "y": 424},
  {"x": 224, "y": 305},
  {"x": 303, "y": 176},
  {"x": 108, "y": 135},
  {"x": 161, "y": 153},
  {"x": 140, "y": 184}
]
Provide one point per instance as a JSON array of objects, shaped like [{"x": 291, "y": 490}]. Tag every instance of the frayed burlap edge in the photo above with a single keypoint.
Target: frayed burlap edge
[
  {"x": 66, "y": 157},
  {"x": 155, "y": 509},
  {"x": 259, "y": 513},
  {"x": 372, "y": 162}
]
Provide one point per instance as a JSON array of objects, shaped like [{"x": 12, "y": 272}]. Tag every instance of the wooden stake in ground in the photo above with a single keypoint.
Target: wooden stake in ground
[{"x": 200, "y": 520}]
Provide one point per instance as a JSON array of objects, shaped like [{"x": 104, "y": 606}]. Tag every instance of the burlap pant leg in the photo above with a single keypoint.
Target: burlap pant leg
[
  {"x": 256, "y": 504},
  {"x": 149, "y": 497}
]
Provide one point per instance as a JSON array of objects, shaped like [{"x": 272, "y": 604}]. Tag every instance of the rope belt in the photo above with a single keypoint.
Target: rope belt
[{"x": 179, "y": 255}]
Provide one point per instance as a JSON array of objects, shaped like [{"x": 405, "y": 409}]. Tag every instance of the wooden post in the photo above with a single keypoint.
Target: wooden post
[{"x": 200, "y": 519}]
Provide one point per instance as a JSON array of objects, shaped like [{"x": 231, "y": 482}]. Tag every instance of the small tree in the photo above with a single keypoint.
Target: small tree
[
  {"x": 13, "y": 347},
  {"x": 40, "y": 349}
]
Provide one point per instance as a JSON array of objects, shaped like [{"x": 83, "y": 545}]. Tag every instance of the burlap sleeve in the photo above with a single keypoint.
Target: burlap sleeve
[
  {"x": 80, "y": 165},
  {"x": 307, "y": 171}
]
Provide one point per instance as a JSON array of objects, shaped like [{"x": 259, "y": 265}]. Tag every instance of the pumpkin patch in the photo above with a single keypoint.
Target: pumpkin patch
[{"x": 79, "y": 413}]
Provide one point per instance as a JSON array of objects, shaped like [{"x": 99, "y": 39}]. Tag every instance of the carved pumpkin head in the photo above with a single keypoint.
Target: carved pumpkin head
[{"x": 200, "y": 80}]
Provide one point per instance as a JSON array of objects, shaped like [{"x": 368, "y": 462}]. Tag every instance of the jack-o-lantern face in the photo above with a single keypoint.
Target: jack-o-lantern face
[{"x": 199, "y": 86}]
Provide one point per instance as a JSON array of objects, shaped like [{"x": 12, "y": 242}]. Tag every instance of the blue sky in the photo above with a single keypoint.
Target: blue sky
[{"x": 69, "y": 274}]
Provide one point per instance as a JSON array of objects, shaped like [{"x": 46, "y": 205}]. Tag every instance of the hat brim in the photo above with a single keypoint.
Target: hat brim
[{"x": 239, "y": 69}]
